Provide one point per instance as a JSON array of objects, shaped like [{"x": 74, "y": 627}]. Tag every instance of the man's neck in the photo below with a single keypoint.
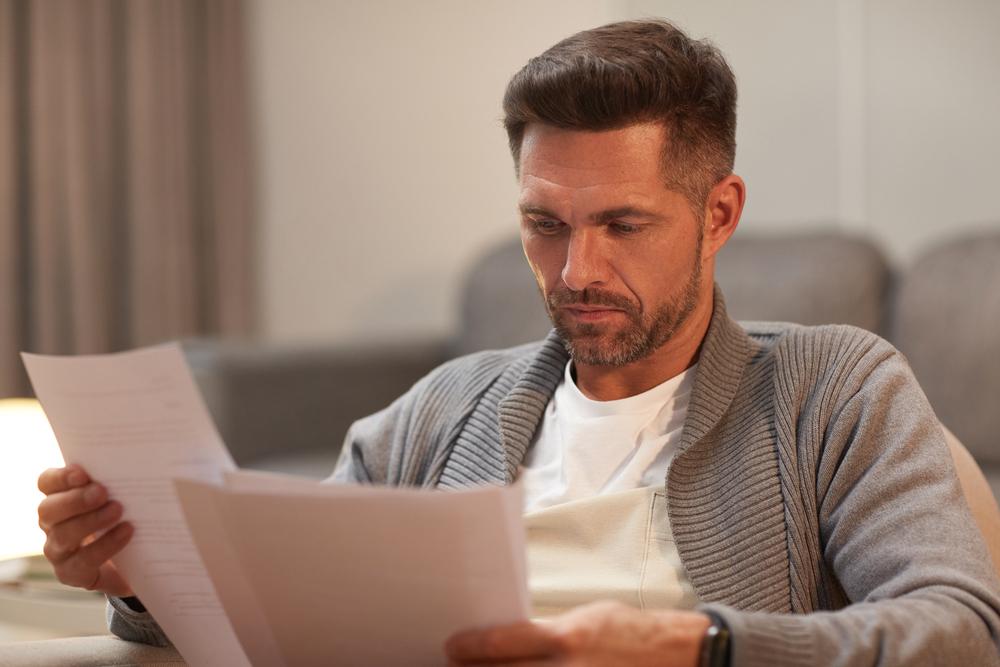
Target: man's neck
[{"x": 610, "y": 383}]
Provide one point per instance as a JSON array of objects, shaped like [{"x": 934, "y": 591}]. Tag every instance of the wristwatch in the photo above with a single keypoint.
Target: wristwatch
[{"x": 715, "y": 643}]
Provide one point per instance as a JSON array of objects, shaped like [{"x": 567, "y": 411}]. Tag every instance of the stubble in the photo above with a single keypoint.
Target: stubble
[{"x": 642, "y": 334}]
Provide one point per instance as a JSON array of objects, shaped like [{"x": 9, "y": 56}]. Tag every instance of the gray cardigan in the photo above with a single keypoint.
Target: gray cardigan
[
  {"x": 812, "y": 474},
  {"x": 813, "y": 499}
]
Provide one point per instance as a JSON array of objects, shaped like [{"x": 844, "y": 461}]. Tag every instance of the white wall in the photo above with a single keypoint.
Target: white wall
[
  {"x": 787, "y": 130},
  {"x": 383, "y": 171},
  {"x": 383, "y": 167},
  {"x": 934, "y": 128},
  {"x": 877, "y": 117}
]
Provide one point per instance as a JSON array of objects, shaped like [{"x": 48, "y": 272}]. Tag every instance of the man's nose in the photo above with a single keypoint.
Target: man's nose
[{"x": 586, "y": 264}]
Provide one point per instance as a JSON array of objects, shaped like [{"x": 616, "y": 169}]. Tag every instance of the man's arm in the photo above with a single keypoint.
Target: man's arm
[
  {"x": 873, "y": 499},
  {"x": 896, "y": 529},
  {"x": 600, "y": 633}
]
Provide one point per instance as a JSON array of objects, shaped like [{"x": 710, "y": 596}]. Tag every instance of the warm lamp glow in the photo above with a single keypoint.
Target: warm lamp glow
[{"x": 27, "y": 447}]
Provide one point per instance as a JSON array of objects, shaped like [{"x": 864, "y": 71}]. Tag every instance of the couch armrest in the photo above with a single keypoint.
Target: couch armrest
[
  {"x": 102, "y": 651},
  {"x": 271, "y": 401}
]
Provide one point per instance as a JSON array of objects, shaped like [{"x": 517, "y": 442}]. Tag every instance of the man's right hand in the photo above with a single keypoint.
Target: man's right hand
[{"x": 73, "y": 510}]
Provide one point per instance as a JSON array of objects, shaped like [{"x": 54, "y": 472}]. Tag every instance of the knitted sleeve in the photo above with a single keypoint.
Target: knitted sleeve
[{"x": 879, "y": 522}]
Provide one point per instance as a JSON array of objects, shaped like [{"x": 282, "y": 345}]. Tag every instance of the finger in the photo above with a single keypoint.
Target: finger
[
  {"x": 522, "y": 641},
  {"x": 64, "y": 505},
  {"x": 67, "y": 537},
  {"x": 111, "y": 582},
  {"x": 55, "y": 480},
  {"x": 88, "y": 566}
]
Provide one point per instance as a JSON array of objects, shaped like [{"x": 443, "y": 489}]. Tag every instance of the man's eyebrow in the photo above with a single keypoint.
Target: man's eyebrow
[
  {"x": 625, "y": 212},
  {"x": 602, "y": 217},
  {"x": 532, "y": 209}
]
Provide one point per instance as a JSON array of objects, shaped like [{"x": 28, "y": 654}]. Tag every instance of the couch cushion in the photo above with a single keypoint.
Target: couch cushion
[
  {"x": 271, "y": 400},
  {"x": 947, "y": 322},
  {"x": 825, "y": 278},
  {"x": 500, "y": 305}
]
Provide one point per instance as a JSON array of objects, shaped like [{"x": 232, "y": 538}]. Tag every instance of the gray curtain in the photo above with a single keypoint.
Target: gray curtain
[{"x": 125, "y": 193}]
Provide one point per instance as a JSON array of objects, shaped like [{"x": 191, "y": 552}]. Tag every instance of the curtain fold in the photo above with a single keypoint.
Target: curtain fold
[{"x": 125, "y": 190}]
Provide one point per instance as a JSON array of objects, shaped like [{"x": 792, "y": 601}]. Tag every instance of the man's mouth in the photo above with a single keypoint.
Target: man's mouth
[
  {"x": 590, "y": 306},
  {"x": 586, "y": 310},
  {"x": 592, "y": 314}
]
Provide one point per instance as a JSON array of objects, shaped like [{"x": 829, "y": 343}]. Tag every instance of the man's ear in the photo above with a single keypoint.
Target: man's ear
[{"x": 722, "y": 213}]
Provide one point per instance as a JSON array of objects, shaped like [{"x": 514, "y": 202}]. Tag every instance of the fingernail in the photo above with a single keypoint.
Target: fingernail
[
  {"x": 109, "y": 511},
  {"x": 76, "y": 478},
  {"x": 92, "y": 495}
]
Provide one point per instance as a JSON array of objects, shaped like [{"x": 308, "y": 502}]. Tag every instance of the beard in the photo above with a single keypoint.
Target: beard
[{"x": 642, "y": 334}]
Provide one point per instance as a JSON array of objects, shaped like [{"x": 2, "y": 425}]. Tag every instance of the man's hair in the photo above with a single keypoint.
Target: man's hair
[{"x": 634, "y": 72}]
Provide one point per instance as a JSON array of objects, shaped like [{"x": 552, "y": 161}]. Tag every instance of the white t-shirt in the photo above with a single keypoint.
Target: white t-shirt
[{"x": 586, "y": 448}]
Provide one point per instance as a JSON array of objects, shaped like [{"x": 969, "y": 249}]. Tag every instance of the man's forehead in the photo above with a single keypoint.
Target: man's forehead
[
  {"x": 555, "y": 161},
  {"x": 593, "y": 149}
]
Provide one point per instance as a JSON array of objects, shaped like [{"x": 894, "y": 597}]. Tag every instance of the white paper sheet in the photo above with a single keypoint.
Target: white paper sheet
[
  {"x": 134, "y": 421},
  {"x": 236, "y": 594},
  {"x": 261, "y": 481},
  {"x": 359, "y": 575}
]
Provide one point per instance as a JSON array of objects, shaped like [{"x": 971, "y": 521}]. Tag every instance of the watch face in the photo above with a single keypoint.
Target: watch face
[
  {"x": 720, "y": 648},
  {"x": 715, "y": 645}
]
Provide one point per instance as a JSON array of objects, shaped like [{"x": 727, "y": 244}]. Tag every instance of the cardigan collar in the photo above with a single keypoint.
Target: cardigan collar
[{"x": 725, "y": 351}]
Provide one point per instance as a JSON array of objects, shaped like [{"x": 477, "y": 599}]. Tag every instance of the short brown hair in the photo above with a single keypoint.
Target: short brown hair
[{"x": 635, "y": 72}]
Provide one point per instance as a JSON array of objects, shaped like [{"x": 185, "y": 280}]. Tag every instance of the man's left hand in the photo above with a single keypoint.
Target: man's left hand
[{"x": 600, "y": 633}]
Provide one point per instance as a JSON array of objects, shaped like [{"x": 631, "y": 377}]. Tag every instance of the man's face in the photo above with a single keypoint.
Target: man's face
[{"x": 617, "y": 256}]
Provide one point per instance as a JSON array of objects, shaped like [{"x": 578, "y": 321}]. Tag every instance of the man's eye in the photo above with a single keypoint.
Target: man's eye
[
  {"x": 626, "y": 229},
  {"x": 545, "y": 224}
]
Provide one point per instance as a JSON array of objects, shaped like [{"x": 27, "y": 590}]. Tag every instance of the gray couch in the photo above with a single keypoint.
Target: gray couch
[{"x": 288, "y": 409}]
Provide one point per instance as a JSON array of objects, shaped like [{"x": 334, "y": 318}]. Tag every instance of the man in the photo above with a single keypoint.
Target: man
[{"x": 787, "y": 485}]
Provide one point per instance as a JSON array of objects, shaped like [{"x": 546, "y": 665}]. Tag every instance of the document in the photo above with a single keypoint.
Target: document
[
  {"x": 314, "y": 574},
  {"x": 243, "y": 568},
  {"x": 136, "y": 421}
]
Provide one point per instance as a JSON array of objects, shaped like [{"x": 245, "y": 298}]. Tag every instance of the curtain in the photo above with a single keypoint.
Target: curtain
[{"x": 125, "y": 176}]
